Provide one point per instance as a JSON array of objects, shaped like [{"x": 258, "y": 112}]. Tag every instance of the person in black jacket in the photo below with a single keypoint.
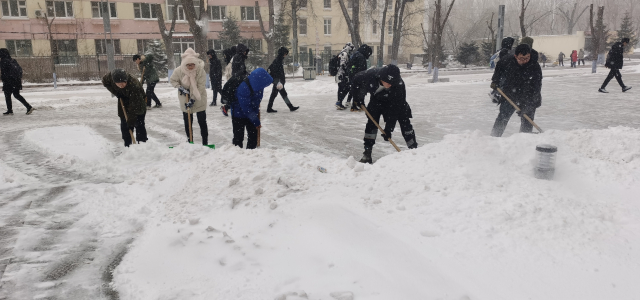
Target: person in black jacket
[
  {"x": 357, "y": 64},
  {"x": 238, "y": 67},
  {"x": 276, "y": 70},
  {"x": 12, "y": 81},
  {"x": 614, "y": 62},
  {"x": 389, "y": 99},
  {"x": 215, "y": 75},
  {"x": 522, "y": 84},
  {"x": 507, "y": 44}
]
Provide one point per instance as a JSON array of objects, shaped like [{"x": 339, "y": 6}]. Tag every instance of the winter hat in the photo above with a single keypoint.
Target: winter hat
[
  {"x": 390, "y": 74},
  {"x": 212, "y": 53},
  {"x": 523, "y": 49},
  {"x": 189, "y": 57},
  {"x": 625, "y": 40},
  {"x": 135, "y": 57},
  {"x": 283, "y": 51},
  {"x": 4, "y": 53},
  {"x": 119, "y": 75},
  {"x": 507, "y": 42},
  {"x": 241, "y": 48},
  {"x": 365, "y": 50},
  {"x": 349, "y": 46},
  {"x": 527, "y": 40}
]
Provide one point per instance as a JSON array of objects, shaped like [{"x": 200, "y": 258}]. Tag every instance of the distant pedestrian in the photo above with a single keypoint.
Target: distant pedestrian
[
  {"x": 130, "y": 94},
  {"x": 614, "y": 63},
  {"x": 245, "y": 111},
  {"x": 507, "y": 44},
  {"x": 574, "y": 58},
  {"x": 357, "y": 64},
  {"x": 561, "y": 59},
  {"x": 150, "y": 75},
  {"x": 276, "y": 70},
  {"x": 215, "y": 75},
  {"x": 544, "y": 60},
  {"x": 238, "y": 66},
  {"x": 581, "y": 57},
  {"x": 12, "y": 81},
  {"x": 190, "y": 80},
  {"x": 522, "y": 84},
  {"x": 342, "y": 78}
]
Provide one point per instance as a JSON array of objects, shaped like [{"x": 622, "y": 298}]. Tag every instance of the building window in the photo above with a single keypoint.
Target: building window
[
  {"x": 302, "y": 3},
  {"x": 375, "y": 26},
  {"x": 390, "y": 6},
  {"x": 327, "y": 3},
  {"x": 253, "y": 44},
  {"x": 327, "y": 26},
  {"x": 67, "y": 51},
  {"x": 19, "y": 47},
  {"x": 215, "y": 45},
  {"x": 101, "y": 46},
  {"x": 327, "y": 49},
  {"x": 349, "y": 4},
  {"x": 14, "y": 8},
  {"x": 145, "y": 11},
  {"x": 302, "y": 26},
  {"x": 60, "y": 9},
  {"x": 180, "y": 45},
  {"x": 97, "y": 9},
  {"x": 248, "y": 13},
  {"x": 143, "y": 45},
  {"x": 218, "y": 12},
  {"x": 390, "y": 27},
  {"x": 181, "y": 16}
]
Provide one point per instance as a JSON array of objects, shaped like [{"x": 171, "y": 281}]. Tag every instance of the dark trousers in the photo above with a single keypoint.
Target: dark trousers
[
  {"x": 216, "y": 90},
  {"x": 561, "y": 62},
  {"x": 139, "y": 129},
  {"x": 16, "y": 93},
  {"x": 371, "y": 131},
  {"x": 343, "y": 90},
  {"x": 573, "y": 64},
  {"x": 613, "y": 73},
  {"x": 581, "y": 61},
  {"x": 239, "y": 125},
  {"x": 202, "y": 121},
  {"x": 151, "y": 95},
  {"x": 274, "y": 94},
  {"x": 506, "y": 110}
]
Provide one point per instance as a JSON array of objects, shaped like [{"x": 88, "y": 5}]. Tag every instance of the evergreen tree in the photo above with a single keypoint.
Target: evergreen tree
[
  {"x": 281, "y": 32},
  {"x": 156, "y": 48},
  {"x": 467, "y": 53},
  {"x": 230, "y": 35},
  {"x": 626, "y": 31},
  {"x": 488, "y": 49}
]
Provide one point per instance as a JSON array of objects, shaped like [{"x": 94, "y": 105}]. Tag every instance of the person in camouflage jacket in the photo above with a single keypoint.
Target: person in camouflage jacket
[
  {"x": 130, "y": 94},
  {"x": 150, "y": 76}
]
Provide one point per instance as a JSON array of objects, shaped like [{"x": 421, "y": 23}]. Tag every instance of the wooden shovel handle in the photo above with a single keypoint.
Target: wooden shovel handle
[{"x": 377, "y": 125}]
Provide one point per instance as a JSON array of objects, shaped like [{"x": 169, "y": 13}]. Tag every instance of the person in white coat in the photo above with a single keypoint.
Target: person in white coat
[
  {"x": 341, "y": 78},
  {"x": 190, "y": 80}
]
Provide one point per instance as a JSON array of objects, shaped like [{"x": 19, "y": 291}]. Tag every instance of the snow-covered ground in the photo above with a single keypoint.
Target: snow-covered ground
[{"x": 462, "y": 217}]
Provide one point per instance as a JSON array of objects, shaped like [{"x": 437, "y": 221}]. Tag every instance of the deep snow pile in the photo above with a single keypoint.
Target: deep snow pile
[{"x": 459, "y": 219}]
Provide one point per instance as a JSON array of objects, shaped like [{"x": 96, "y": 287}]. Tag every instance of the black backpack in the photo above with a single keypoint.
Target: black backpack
[
  {"x": 334, "y": 64},
  {"x": 228, "y": 93}
]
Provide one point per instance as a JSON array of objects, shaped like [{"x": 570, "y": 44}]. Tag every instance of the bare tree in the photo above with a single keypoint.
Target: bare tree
[
  {"x": 382, "y": 30},
  {"x": 353, "y": 30},
  {"x": 439, "y": 23},
  {"x": 268, "y": 36},
  {"x": 397, "y": 29},
  {"x": 52, "y": 43},
  {"x": 167, "y": 36},
  {"x": 492, "y": 31},
  {"x": 570, "y": 16},
  {"x": 598, "y": 31},
  {"x": 198, "y": 23}
]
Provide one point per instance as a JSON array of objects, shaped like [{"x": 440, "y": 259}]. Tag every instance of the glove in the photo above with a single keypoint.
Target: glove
[
  {"x": 493, "y": 85},
  {"x": 279, "y": 86},
  {"x": 386, "y": 136},
  {"x": 183, "y": 91},
  {"x": 190, "y": 103}
]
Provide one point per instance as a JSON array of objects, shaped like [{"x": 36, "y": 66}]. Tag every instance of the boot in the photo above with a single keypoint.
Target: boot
[
  {"x": 205, "y": 140},
  {"x": 291, "y": 107},
  {"x": 271, "y": 110},
  {"x": 366, "y": 157},
  {"x": 8, "y": 113}
]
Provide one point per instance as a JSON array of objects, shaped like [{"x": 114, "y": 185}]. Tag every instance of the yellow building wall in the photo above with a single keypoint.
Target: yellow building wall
[
  {"x": 41, "y": 47},
  {"x": 86, "y": 47},
  {"x": 125, "y": 10},
  {"x": 3, "y": 44},
  {"x": 128, "y": 46},
  {"x": 552, "y": 45}
]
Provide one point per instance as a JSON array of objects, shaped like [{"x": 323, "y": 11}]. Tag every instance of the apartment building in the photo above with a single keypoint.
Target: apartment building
[
  {"x": 78, "y": 25},
  {"x": 322, "y": 27}
]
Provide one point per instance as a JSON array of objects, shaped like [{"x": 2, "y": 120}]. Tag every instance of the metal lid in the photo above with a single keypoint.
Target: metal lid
[{"x": 546, "y": 148}]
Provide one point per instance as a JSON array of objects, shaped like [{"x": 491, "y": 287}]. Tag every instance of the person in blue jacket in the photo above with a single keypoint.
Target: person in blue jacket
[{"x": 244, "y": 112}]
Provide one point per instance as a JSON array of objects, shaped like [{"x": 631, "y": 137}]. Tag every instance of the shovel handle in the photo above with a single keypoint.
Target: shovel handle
[
  {"x": 377, "y": 125},
  {"x": 518, "y": 109},
  {"x": 126, "y": 119}
]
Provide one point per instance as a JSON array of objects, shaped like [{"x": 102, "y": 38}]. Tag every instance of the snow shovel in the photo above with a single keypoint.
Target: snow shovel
[
  {"x": 518, "y": 109},
  {"x": 258, "y": 145},
  {"x": 377, "y": 125},
  {"x": 142, "y": 82},
  {"x": 190, "y": 127},
  {"x": 133, "y": 140}
]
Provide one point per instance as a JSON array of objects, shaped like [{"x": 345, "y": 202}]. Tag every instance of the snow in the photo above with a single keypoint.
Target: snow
[{"x": 461, "y": 217}]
